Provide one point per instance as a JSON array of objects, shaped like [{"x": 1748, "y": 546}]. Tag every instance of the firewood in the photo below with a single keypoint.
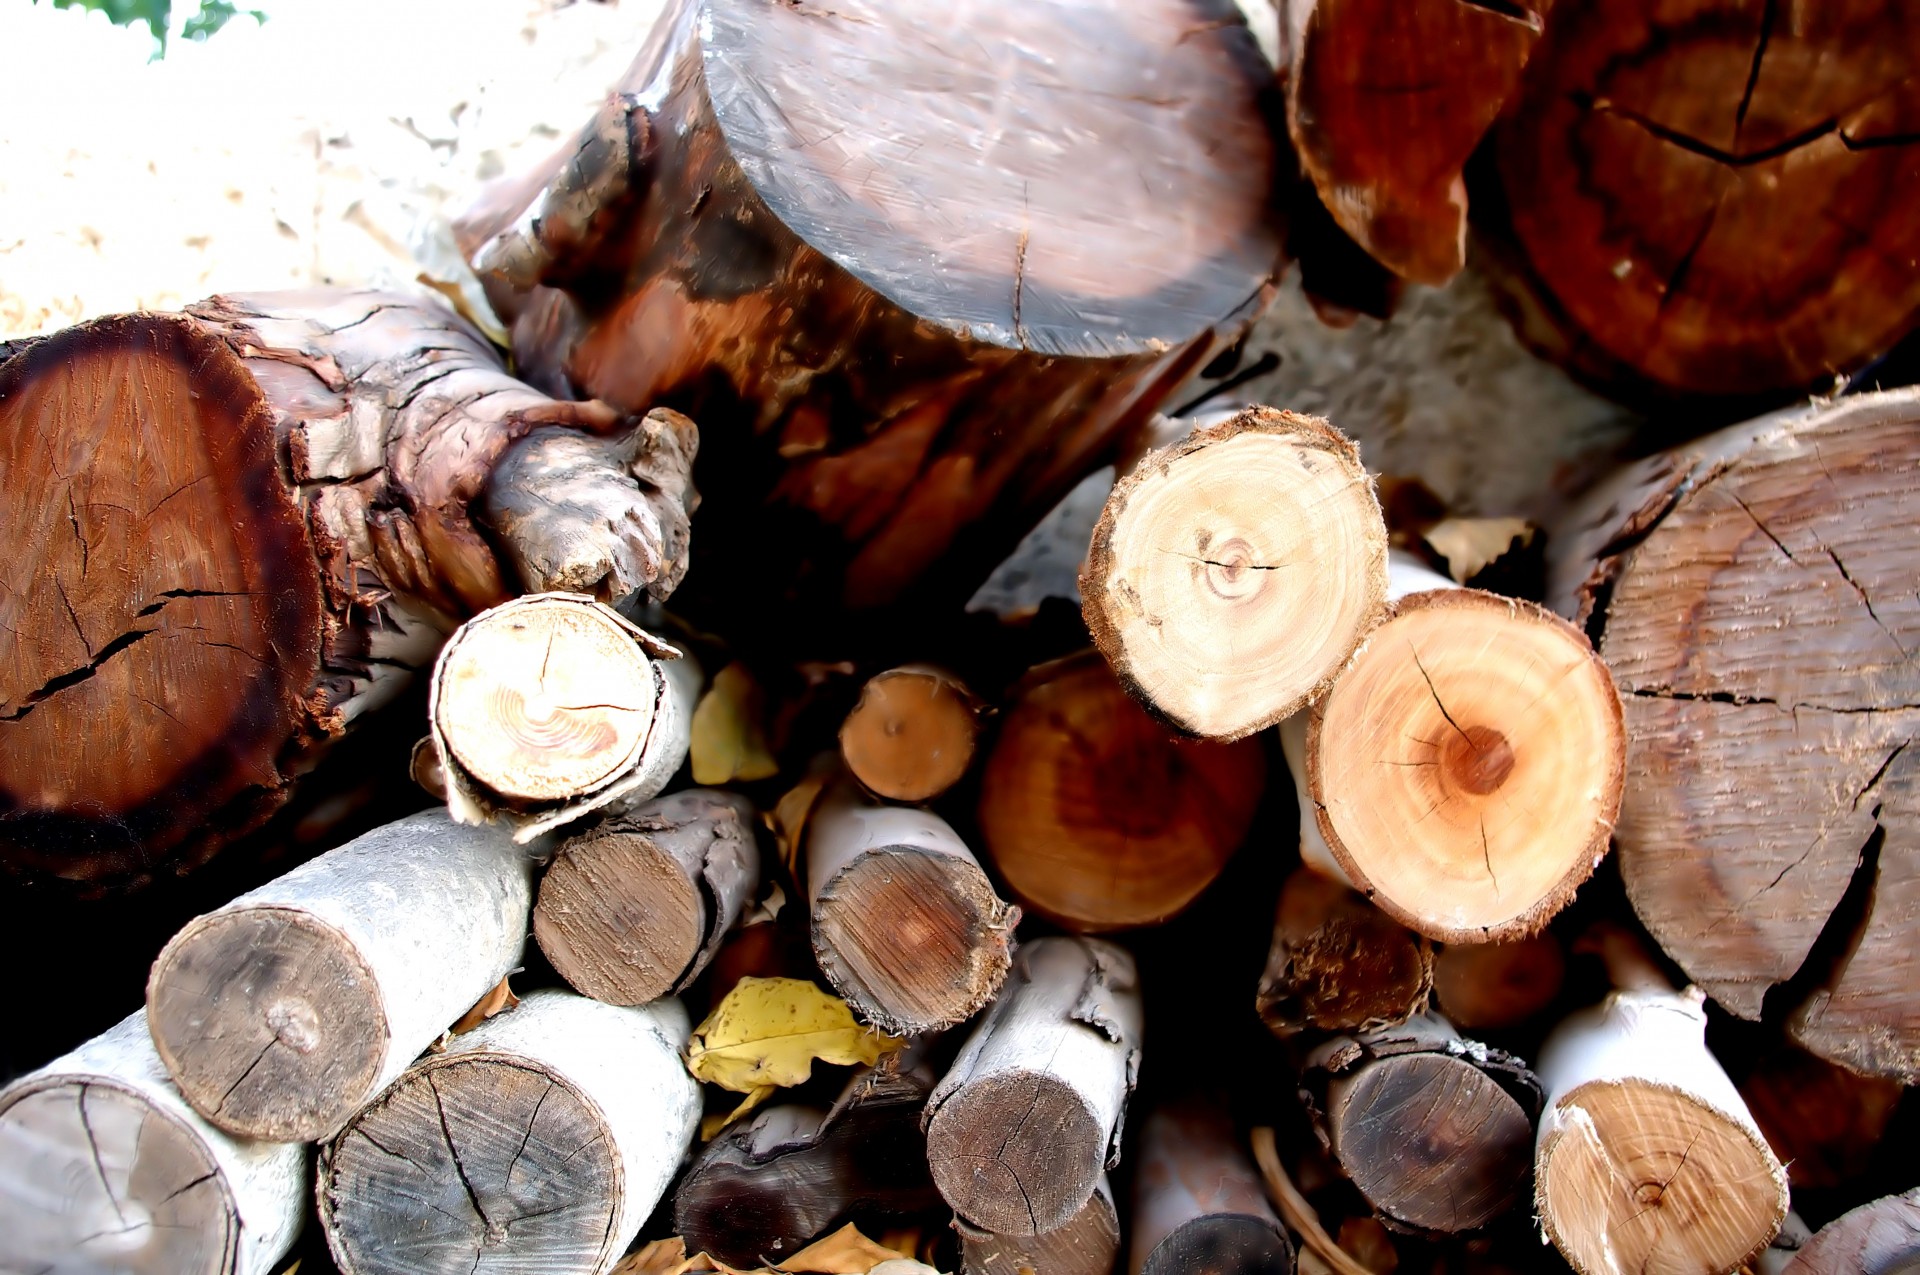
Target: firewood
[
  {"x": 1881, "y": 1238},
  {"x": 553, "y": 705},
  {"x": 282, "y": 1012},
  {"x": 1338, "y": 963},
  {"x": 1088, "y": 1243},
  {"x": 539, "y": 1141},
  {"x": 1752, "y": 593},
  {"x": 1386, "y": 100},
  {"x": 1233, "y": 573},
  {"x": 911, "y": 736},
  {"x": 907, "y": 323},
  {"x": 1822, "y": 1121},
  {"x": 762, "y": 1190},
  {"x": 633, "y": 908},
  {"x": 1496, "y": 985},
  {"x": 1030, "y": 1112},
  {"x": 1465, "y": 773},
  {"x": 905, "y": 924},
  {"x": 1694, "y": 208},
  {"x": 1435, "y": 1131},
  {"x": 1198, "y": 1204},
  {"x": 103, "y": 1167},
  {"x": 241, "y": 528},
  {"x": 1647, "y": 1158},
  {"x": 1095, "y": 815}
]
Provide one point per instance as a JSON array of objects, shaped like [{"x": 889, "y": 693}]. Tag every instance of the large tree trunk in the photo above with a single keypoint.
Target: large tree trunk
[
  {"x": 1713, "y": 196},
  {"x": 1753, "y": 594},
  {"x": 910, "y": 317},
  {"x": 234, "y": 531}
]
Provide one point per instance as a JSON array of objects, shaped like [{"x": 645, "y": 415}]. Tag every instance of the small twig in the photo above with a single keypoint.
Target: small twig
[{"x": 1295, "y": 1210}]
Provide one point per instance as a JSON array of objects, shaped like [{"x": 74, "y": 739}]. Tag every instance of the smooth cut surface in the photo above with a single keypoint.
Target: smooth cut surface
[{"x": 911, "y": 737}]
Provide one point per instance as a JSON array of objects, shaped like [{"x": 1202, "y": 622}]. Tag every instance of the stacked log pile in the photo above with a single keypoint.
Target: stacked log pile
[{"x": 799, "y": 919}]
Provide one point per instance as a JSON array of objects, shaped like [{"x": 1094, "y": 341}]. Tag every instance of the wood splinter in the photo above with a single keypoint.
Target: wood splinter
[
  {"x": 554, "y": 705},
  {"x": 633, "y": 908},
  {"x": 912, "y": 734},
  {"x": 1021, "y": 1126},
  {"x": 1263, "y": 527},
  {"x": 1198, "y": 1203},
  {"x": 1465, "y": 773}
]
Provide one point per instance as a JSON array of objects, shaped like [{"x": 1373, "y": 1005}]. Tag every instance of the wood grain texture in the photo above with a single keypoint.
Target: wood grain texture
[
  {"x": 1198, "y": 1202},
  {"x": 1338, "y": 963},
  {"x": 1088, "y": 1243},
  {"x": 1881, "y": 1238}
]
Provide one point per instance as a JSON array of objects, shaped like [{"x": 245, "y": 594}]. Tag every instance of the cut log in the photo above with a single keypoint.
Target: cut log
[
  {"x": 104, "y": 1168},
  {"x": 1435, "y": 1131},
  {"x": 1088, "y": 1244},
  {"x": 1752, "y": 593},
  {"x": 1823, "y": 1122},
  {"x": 539, "y": 1141},
  {"x": 1488, "y": 986},
  {"x": 1881, "y": 1238},
  {"x": 635, "y": 907},
  {"x": 764, "y": 1189},
  {"x": 1233, "y": 574},
  {"x": 1466, "y": 772},
  {"x": 896, "y": 313},
  {"x": 912, "y": 734},
  {"x": 552, "y": 706},
  {"x": 282, "y": 1012},
  {"x": 1030, "y": 1113},
  {"x": 1095, "y": 815},
  {"x": 1338, "y": 963},
  {"x": 1647, "y": 1158},
  {"x": 1711, "y": 197},
  {"x": 1386, "y": 99},
  {"x": 905, "y": 924},
  {"x": 239, "y": 529},
  {"x": 1198, "y": 1204}
]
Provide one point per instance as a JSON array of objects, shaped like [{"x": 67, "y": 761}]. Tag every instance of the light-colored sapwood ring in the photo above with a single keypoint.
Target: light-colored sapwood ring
[
  {"x": 1647, "y": 1159},
  {"x": 103, "y": 1167},
  {"x": 911, "y": 736},
  {"x": 1465, "y": 774},
  {"x": 1233, "y": 574}
]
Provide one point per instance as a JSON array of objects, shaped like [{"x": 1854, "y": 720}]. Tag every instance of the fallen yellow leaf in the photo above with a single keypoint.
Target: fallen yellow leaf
[
  {"x": 768, "y": 1031},
  {"x": 788, "y": 818},
  {"x": 728, "y": 743},
  {"x": 845, "y": 1252}
]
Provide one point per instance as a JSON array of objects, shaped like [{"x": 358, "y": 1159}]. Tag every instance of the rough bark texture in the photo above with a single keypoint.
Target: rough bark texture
[
  {"x": 1198, "y": 1204},
  {"x": 1436, "y": 1131},
  {"x": 1881, "y": 1238},
  {"x": 1711, "y": 196},
  {"x": 1087, "y": 1244},
  {"x": 536, "y": 1143},
  {"x": 1752, "y": 593},
  {"x": 104, "y": 1168},
  {"x": 1031, "y": 1111},
  {"x": 1386, "y": 99},
  {"x": 896, "y": 313},
  {"x": 633, "y": 908},
  {"x": 762, "y": 1190},
  {"x": 905, "y": 924},
  {"x": 1095, "y": 815},
  {"x": 1338, "y": 963},
  {"x": 911, "y": 736},
  {"x": 242, "y": 527},
  {"x": 284, "y": 1011}
]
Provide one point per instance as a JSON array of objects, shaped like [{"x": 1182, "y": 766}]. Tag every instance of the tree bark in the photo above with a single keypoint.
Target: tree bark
[
  {"x": 1752, "y": 594},
  {"x": 1711, "y": 197},
  {"x": 635, "y": 907},
  {"x": 1264, "y": 527},
  {"x": 552, "y": 706},
  {"x": 243, "y": 527},
  {"x": 282, "y": 1012},
  {"x": 1030, "y": 1113},
  {"x": 905, "y": 924},
  {"x": 1465, "y": 773},
  {"x": 1386, "y": 100},
  {"x": 1647, "y": 1158},
  {"x": 912, "y": 734},
  {"x": 1198, "y": 1204},
  {"x": 764, "y": 1189},
  {"x": 1338, "y": 963},
  {"x": 103, "y": 1167},
  {"x": 1881, "y": 1238},
  {"x": 539, "y": 1141},
  {"x": 898, "y": 318},
  {"x": 1095, "y": 815},
  {"x": 1087, "y": 1244},
  {"x": 1435, "y": 1131},
  {"x": 1492, "y": 986}
]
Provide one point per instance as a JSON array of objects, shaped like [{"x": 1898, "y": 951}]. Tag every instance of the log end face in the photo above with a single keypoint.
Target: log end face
[
  {"x": 619, "y": 919},
  {"x": 1016, "y": 1153},
  {"x": 911, "y": 737},
  {"x": 1222, "y": 1244},
  {"x": 270, "y": 1022}
]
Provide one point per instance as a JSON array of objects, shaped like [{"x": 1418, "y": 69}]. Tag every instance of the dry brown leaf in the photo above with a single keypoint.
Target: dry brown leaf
[
  {"x": 729, "y": 744},
  {"x": 498, "y": 1000},
  {"x": 1470, "y": 545},
  {"x": 845, "y": 1252}
]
